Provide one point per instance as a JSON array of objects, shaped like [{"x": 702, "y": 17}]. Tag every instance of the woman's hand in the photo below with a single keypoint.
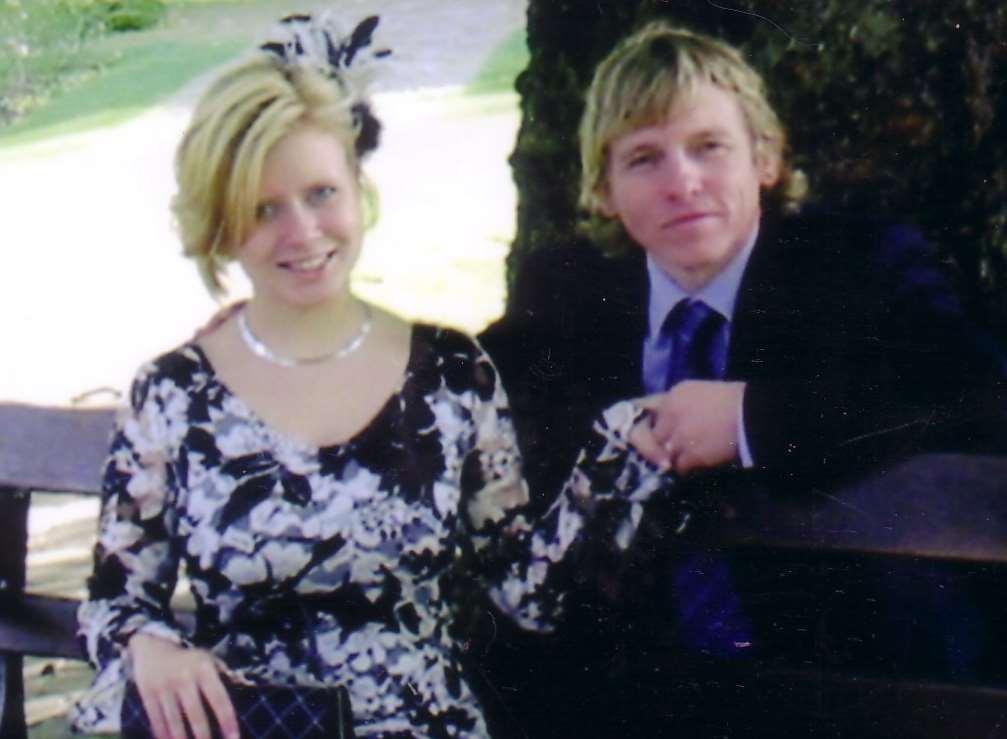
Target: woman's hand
[{"x": 173, "y": 682}]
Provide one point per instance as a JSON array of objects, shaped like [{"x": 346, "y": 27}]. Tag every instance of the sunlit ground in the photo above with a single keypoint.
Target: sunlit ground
[{"x": 93, "y": 283}]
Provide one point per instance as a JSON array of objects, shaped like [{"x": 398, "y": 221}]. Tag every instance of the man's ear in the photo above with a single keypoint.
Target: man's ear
[
  {"x": 768, "y": 168},
  {"x": 605, "y": 206}
]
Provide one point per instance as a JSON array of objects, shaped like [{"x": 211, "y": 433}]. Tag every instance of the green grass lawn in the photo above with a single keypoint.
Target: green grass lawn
[
  {"x": 126, "y": 87},
  {"x": 502, "y": 66},
  {"x": 89, "y": 79},
  {"x": 77, "y": 79}
]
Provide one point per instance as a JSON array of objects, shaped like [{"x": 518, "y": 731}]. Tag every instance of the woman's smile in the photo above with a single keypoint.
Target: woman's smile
[{"x": 308, "y": 264}]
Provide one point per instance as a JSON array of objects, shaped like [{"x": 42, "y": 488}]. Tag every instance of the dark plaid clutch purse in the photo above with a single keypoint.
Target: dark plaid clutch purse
[{"x": 264, "y": 712}]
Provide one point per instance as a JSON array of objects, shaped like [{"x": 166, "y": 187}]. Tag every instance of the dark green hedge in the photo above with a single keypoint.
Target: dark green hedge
[
  {"x": 128, "y": 15},
  {"x": 892, "y": 105}
]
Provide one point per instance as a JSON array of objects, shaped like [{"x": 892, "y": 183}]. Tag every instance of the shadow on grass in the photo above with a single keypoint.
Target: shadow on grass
[{"x": 502, "y": 66}]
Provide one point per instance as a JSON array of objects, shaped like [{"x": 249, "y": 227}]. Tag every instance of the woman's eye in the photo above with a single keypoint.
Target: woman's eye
[
  {"x": 265, "y": 212},
  {"x": 321, "y": 193}
]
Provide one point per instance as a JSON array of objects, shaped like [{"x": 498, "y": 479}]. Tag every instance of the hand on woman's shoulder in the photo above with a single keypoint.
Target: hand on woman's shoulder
[{"x": 217, "y": 320}]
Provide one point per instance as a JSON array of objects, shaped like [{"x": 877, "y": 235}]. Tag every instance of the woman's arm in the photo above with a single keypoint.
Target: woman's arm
[
  {"x": 136, "y": 556},
  {"x": 127, "y": 619},
  {"x": 530, "y": 563}
]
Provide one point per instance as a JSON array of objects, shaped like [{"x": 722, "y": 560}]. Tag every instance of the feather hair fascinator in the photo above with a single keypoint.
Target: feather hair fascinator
[{"x": 318, "y": 42}]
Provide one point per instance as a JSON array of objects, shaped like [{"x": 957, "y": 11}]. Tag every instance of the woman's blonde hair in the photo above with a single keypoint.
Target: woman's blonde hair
[
  {"x": 236, "y": 122},
  {"x": 637, "y": 85}
]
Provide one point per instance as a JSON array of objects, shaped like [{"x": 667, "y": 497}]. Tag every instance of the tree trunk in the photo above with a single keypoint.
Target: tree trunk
[{"x": 892, "y": 106}]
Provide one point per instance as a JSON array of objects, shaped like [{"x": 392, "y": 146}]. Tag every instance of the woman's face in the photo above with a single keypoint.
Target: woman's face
[{"x": 308, "y": 227}]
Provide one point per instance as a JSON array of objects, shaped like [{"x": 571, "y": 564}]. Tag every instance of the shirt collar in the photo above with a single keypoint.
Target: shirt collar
[{"x": 720, "y": 293}]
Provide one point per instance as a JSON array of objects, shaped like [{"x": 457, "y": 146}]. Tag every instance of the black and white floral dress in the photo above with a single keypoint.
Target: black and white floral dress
[{"x": 331, "y": 565}]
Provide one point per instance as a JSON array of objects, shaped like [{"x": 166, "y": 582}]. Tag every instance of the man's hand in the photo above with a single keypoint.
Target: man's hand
[{"x": 694, "y": 426}]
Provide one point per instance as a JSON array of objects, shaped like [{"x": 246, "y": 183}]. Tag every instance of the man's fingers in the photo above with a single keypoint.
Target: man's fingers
[
  {"x": 685, "y": 462},
  {"x": 649, "y": 402},
  {"x": 667, "y": 413},
  {"x": 646, "y": 443}
]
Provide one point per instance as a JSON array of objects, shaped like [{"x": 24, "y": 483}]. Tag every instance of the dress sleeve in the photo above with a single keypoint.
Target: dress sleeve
[
  {"x": 136, "y": 555},
  {"x": 529, "y": 560}
]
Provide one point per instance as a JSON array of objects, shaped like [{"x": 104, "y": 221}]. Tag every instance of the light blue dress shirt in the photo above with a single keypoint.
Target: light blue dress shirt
[{"x": 720, "y": 293}]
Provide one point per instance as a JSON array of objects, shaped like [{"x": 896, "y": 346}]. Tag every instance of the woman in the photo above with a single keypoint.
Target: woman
[{"x": 317, "y": 463}]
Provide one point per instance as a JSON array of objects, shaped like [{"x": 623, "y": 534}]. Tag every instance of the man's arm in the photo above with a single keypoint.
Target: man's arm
[{"x": 895, "y": 366}]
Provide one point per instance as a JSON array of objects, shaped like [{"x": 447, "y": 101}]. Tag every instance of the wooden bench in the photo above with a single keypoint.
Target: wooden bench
[
  {"x": 879, "y": 604},
  {"x": 40, "y": 449},
  {"x": 810, "y": 566}
]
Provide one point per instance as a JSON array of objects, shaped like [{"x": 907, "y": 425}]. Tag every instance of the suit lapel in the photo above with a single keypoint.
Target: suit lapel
[
  {"x": 767, "y": 306},
  {"x": 629, "y": 310}
]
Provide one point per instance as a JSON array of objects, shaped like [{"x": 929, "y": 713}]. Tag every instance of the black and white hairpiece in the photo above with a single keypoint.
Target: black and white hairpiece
[{"x": 319, "y": 43}]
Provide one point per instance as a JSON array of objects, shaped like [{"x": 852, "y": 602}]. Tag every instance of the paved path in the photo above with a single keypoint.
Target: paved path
[{"x": 93, "y": 284}]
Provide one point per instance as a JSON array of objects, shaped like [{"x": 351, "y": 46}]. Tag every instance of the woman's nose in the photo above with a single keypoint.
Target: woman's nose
[{"x": 301, "y": 224}]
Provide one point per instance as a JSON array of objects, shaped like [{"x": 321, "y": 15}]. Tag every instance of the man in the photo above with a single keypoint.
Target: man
[
  {"x": 818, "y": 330},
  {"x": 765, "y": 336}
]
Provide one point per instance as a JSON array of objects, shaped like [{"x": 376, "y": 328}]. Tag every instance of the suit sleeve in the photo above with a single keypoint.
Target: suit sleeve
[{"x": 890, "y": 363}]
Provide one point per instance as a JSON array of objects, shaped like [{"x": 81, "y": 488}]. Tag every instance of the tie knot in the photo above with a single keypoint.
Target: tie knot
[
  {"x": 698, "y": 337},
  {"x": 686, "y": 318}
]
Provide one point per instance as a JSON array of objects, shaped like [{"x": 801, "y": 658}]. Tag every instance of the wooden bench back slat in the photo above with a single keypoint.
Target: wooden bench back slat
[
  {"x": 942, "y": 506},
  {"x": 938, "y": 505},
  {"x": 857, "y": 705},
  {"x": 39, "y": 625},
  {"x": 55, "y": 449},
  {"x": 45, "y": 625}
]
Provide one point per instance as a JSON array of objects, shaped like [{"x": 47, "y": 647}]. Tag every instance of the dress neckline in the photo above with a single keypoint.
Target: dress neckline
[{"x": 286, "y": 439}]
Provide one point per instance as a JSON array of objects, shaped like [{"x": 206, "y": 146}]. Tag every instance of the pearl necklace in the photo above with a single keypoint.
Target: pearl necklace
[{"x": 259, "y": 349}]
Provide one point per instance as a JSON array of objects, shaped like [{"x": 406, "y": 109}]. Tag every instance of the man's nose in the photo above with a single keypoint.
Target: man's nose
[{"x": 681, "y": 176}]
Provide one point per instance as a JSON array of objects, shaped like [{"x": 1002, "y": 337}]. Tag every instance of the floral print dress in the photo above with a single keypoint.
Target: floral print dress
[{"x": 333, "y": 564}]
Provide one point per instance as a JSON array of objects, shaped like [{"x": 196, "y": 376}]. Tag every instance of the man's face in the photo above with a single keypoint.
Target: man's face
[{"x": 687, "y": 189}]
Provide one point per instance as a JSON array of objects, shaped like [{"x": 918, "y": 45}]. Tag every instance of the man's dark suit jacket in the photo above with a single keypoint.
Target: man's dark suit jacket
[
  {"x": 848, "y": 334},
  {"x": 853, "y": 347}
]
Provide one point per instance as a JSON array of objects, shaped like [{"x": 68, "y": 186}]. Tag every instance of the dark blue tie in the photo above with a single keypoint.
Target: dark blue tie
[{"x": 698, "y": 338}]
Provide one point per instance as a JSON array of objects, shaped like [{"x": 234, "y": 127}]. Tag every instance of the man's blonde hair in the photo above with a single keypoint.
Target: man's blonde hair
[
  {"x": 637, "y": 85},
  {"x": 219, "y": 162}
]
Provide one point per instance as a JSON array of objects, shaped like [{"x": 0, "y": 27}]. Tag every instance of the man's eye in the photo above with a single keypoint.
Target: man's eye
[
  {"x": 641, "y": 160},
  {"x": 712, "y": 146}
]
